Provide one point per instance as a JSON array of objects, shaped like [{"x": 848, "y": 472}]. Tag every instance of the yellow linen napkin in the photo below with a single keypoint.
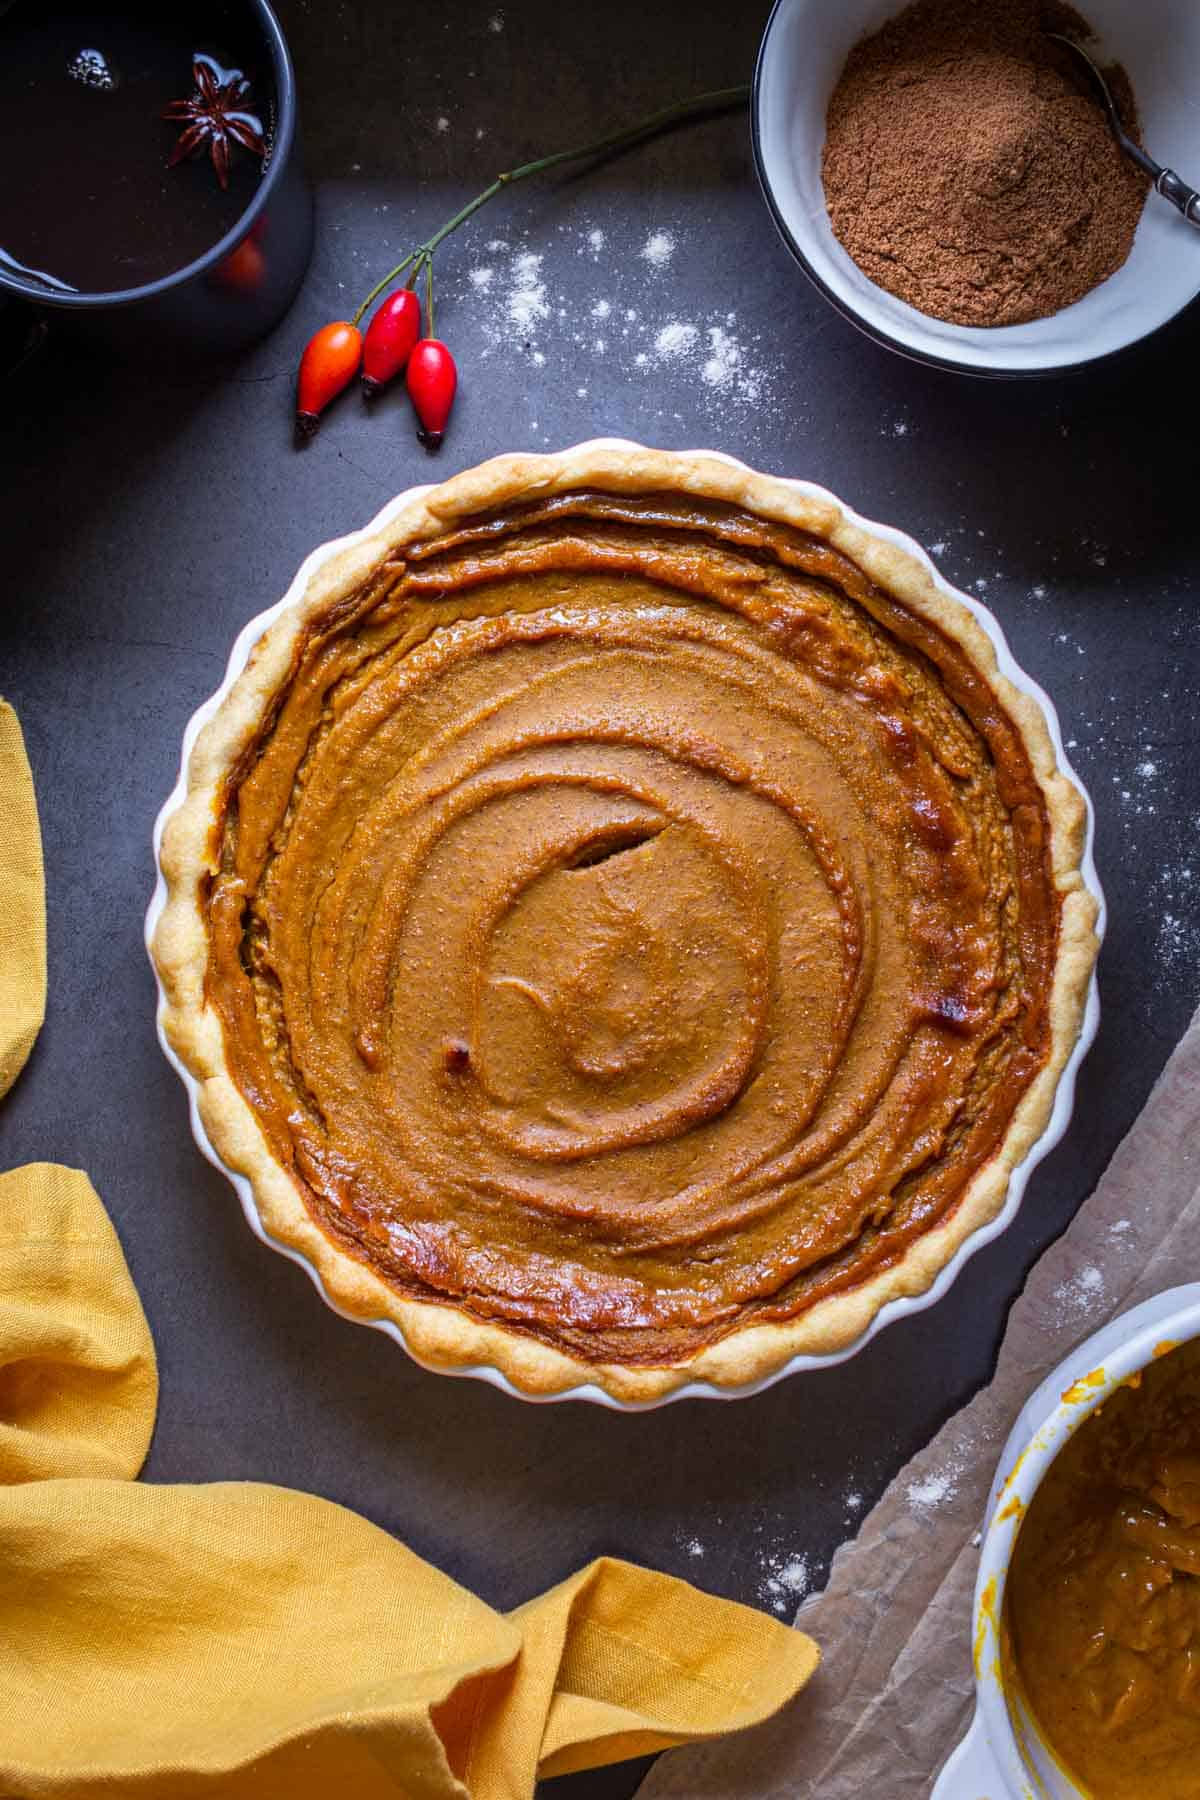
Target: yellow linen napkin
[
  {"x": 22, "y": 905},
  {"x": 254, "y": 1643}
]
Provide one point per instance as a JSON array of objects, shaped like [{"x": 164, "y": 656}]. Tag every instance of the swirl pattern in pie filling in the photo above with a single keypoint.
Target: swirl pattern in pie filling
[{"x": 631, "y": 923}]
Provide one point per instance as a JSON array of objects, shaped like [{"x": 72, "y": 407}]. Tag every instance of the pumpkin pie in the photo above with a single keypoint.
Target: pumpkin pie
[{"x": 624, "y": 924}]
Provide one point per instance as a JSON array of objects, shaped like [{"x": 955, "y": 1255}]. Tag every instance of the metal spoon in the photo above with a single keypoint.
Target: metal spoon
[{"x": 1166, "y": 181}]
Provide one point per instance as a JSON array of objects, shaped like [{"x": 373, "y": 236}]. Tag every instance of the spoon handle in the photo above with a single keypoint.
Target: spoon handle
[{"x": 1173, "y": 188}]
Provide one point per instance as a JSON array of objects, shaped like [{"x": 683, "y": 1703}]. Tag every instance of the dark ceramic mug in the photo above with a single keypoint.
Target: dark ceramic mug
[{"x": 222, "y": 301}]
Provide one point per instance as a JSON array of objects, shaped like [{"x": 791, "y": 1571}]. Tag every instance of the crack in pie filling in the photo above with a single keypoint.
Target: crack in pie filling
[{"x": 626, "y": 926}]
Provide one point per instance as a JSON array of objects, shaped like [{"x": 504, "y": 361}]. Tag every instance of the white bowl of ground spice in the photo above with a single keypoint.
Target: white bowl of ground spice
[{"x": 946, "y": 175}]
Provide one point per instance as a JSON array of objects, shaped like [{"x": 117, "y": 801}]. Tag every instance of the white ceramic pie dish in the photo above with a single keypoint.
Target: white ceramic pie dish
[
  {"x": 803, "y": 53},
  {"x": 1004, "y": 1755},
  {"x": 1064, "y": 1094}
]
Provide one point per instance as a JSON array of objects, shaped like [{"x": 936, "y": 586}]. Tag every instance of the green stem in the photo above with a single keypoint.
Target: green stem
[
  {"x": 429, "y": 331},
  {"x": 720, "y": 100}
]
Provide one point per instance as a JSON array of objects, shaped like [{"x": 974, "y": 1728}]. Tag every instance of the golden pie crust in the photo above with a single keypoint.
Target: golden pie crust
[{"x": 623, "y": 923}]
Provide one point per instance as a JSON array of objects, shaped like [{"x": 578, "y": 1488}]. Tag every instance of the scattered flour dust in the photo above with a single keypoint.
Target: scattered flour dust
[
  {"x": 1176, "y": 943},
  {"x": 717, "y": 354},
  {"x": 1139, "y": 788},
  {"x": 511, "y": 296},
  {"x": 786, "y": 1580},
  {"x": 527, "y": 304},
  {"x": 675, "y": 340},
  {"x": 1172, "y": 886},
  {"x": 723, "y": 367},
  {"x": 936, "y": 1488},
  {"x": 931, "y": 1492},
  {"x": 1080, "y": 1292},
  {"x": 658, "y": 249}
]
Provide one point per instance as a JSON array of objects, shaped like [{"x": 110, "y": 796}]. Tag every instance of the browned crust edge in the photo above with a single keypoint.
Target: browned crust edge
[{"x": 442, "y": 1336}]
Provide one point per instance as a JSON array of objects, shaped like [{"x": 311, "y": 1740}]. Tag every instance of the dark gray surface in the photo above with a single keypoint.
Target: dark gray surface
[{"x": 144, "y": 518}]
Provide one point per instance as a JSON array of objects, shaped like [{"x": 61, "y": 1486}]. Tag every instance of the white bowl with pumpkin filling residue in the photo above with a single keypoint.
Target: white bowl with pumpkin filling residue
[{"x": 1110, "y": 1576}]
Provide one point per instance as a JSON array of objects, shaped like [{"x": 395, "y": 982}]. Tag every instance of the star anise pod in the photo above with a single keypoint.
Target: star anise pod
[{"x": 216, "y": 117}]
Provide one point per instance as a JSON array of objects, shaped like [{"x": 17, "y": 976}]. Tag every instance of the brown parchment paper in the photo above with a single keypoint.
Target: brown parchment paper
[{"x": 894, "y": 1692}]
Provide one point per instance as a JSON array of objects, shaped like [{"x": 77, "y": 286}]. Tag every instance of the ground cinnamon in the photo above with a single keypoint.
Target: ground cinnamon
[{"x": 969, "y": 170}]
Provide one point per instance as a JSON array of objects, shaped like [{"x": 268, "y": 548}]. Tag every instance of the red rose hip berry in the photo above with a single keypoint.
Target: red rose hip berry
[
  {"x": 391, "y": 335},
  {"x": 329, "y": 364},
  {"x": 432, "y": 380}
]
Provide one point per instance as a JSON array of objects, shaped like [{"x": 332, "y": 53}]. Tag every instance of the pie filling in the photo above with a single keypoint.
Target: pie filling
[{"x": 631, "y": 924}]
